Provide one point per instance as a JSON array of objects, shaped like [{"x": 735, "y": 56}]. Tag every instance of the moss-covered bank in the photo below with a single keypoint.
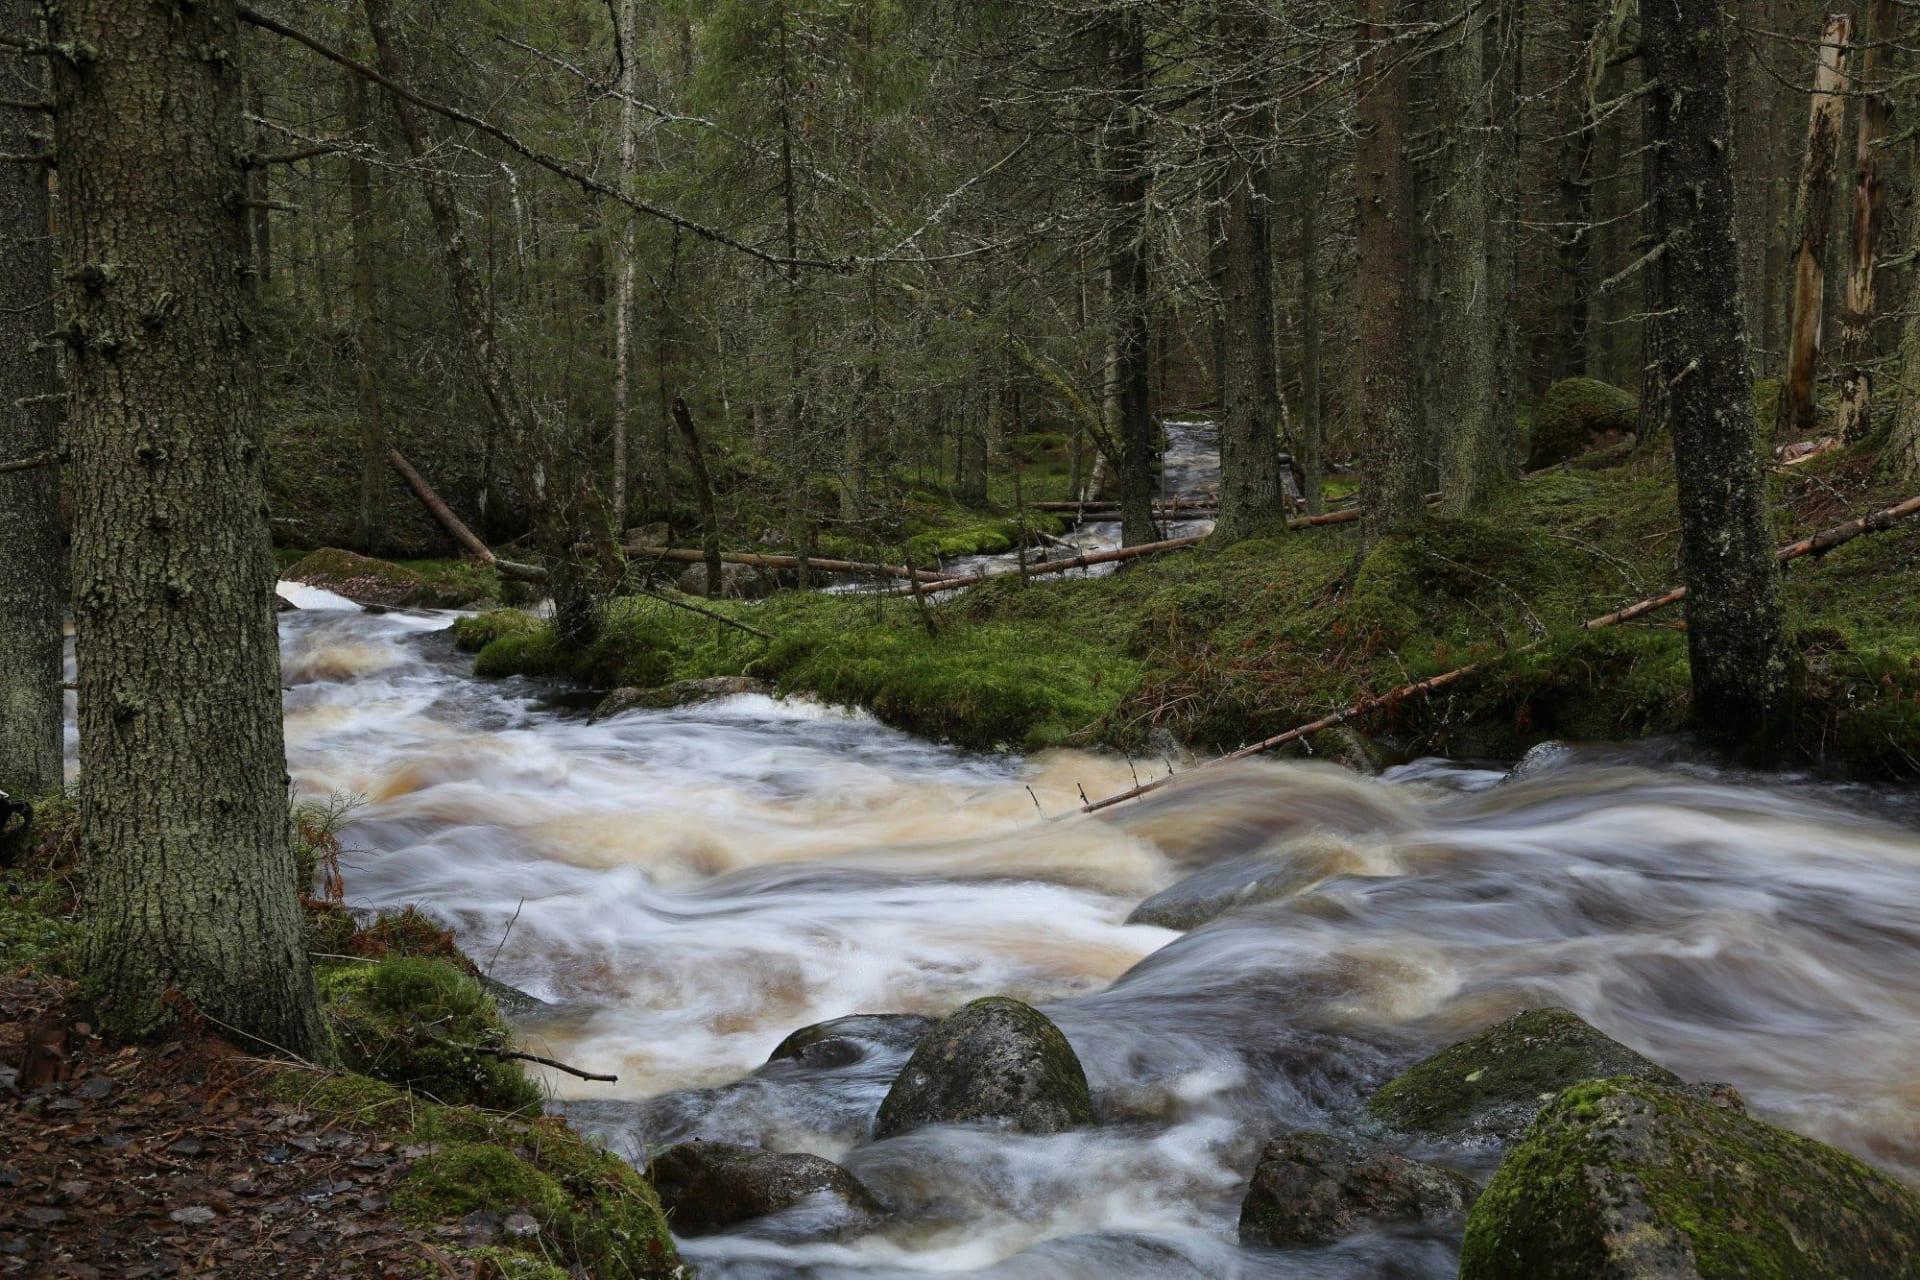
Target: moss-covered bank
[{"x": 1222, "y": 646}]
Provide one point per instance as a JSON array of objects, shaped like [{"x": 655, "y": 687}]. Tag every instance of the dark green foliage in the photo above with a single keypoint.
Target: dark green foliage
[{"x": 1573, "y": 416}]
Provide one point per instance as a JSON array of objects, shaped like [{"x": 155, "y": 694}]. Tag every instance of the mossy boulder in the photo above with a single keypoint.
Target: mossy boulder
[
  {"x": 475, "y": 632},
  {"x": 365, "y": 580},
  {"x": 841, "y": 1042},
  {"x": 427, "y": 1025},
  {"x": 996, "y": 1061},
  {"x": 1575, "y": 415},
  {"x": 1627, "y": 1178},
  {"x": 681, "y": 693},
  {"x": 1314, "y": 1188},
  {"x": 1493, "y": 1084},
  {"x": 709, "y": 1186}
]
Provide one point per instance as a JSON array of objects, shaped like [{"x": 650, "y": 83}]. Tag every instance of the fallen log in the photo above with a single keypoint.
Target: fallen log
[
  {"x": 684, "y": 555},
  {"x": 1817, "y": 545},
  {"x": 437, "y": 508}
]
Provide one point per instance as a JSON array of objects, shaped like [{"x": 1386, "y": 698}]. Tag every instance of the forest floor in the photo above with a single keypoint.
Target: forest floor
[{"x": 1218, "y": 647}]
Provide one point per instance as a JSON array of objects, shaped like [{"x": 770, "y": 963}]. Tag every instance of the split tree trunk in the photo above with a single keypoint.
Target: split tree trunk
[
  {"x": 1128, "y": 296},
  {"x": 1697, "y": 349},
  {"x": 1253, "y": 493},
  {"x": 1383, "y": 401},
  {"x": 1813, "y": 215},
  {"x": 32, "y": 574},
  {"x": 1852, "y": 414},
  {"x": 1462, "y": 361},
  {"x": 183, "y": 811}
]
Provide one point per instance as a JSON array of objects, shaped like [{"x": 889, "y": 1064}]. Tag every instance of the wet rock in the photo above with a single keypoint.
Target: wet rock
[
  {"x": 1542, "y": 757},
  {"x": 681, "y": 693},
  {"x": 1243, "y": 881},
  {"x": 1493, "y": 1084},
  {"x": 841, "y": 1042},
  {"x": 367, "y": 581},
  {"x": 995, "y": 1061},
  {"x": 1314, "y": 1188},
  {"x": 511, "y": 1001},
  {"x": 709, "y": 1186},
  {"x": 1627, "y": 1178}
]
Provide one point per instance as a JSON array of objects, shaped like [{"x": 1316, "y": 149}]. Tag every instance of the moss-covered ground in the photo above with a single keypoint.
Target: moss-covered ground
[{"x": 1223, "y": 646}]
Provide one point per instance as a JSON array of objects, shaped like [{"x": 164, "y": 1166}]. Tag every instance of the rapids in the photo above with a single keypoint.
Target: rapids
[{"x": 685, "y": 888}]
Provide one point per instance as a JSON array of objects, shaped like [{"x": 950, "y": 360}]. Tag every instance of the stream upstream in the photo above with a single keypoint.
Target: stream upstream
[{"x": 685, "y": 888}]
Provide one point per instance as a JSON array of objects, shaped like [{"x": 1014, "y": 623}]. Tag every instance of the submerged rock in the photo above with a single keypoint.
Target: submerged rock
[
  {"x": 1244, "y": 881},
  {"x": 1494, "y": 1084},
  {"x": 995, "y": 1061},
  {"x": 1626, "y": 1178},
  {"x": 681, "y": 693},
  {"x": 709, "y": 1186},
  {"x": 1314, "y": 1188},
  {"x": 841, "y": 1042}
]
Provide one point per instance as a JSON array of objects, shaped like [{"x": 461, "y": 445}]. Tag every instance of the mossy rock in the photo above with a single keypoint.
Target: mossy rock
[
  {"x": 477, "y": 1177},
  {"x": 1576, "y": 415},
  {"x": 996, "y": 1061},
  {"x": 424, "y": 1023},
  {"x": 710, "y": 1186},
  {"x": 1626, "y": 1178},
  {"x": 681, "y": 693},
  {"x": 474, "y": 633},
  {"x": 1314, "y": 1188},
  {"x": 365, "y": 580},
  {"x": 1493, "y": 1084}
]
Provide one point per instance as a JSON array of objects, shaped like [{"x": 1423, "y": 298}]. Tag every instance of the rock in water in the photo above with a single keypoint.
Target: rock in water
[
  {"x": 1626, "y": 1178},
  {"x": 994, "y": 1061},
  {"x": 1495, "y": 1083},
  {"x": 708, "y": 1186},
  {"x": 1246, "y": 881},
  {"x": 1314, "y": 1188},
  {"x": 841, "y": 1042}
]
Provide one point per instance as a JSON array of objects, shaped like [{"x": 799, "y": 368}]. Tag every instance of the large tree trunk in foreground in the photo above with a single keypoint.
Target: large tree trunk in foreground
[
  {"x": 32, "y": 577},
  {"x": 1697, "y": 349},
  {"x": 1128, "y": 297},
  {"x": 183, "y": 805},
  {"x": 1391, "y": 492},
  {"x": 1252, "y": 492},
  {"x": 1852, "y": 419},
  {"x": 1813, "y": 216}
]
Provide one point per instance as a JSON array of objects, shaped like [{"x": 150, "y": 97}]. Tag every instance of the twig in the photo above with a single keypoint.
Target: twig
[{"x": 555, "y": 1063}]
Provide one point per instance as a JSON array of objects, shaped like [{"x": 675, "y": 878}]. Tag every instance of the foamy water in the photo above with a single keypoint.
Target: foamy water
[{"x": 685, "y": 888}]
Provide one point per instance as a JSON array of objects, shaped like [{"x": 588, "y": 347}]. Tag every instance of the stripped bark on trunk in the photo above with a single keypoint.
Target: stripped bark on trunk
[
  {"x": 1852, "y": 412},
  {"x": 1813, "y": 216}
]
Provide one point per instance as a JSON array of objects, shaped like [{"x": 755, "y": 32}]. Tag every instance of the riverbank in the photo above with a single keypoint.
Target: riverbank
[{"x": 1217, "y": 648}]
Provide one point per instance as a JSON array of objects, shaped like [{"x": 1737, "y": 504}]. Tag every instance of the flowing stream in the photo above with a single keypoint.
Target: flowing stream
[{"x": 685, "y": 888}]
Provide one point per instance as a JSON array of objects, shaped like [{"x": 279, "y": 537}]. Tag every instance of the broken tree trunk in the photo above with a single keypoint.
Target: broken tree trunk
[
  {"x": 1852, "y": 415},
  {"x": 1819, "y": 544},
  {"x": 1813, "y": 217},
  {"x": 703, "y": 488},
  {"x": 437, "y": 508}
]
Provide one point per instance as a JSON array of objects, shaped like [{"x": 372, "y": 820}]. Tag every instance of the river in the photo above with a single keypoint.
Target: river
[{"x": 685, "y": 888}]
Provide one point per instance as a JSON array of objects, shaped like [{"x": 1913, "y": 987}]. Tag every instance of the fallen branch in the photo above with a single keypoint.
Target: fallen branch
[
  {"x": 686, "y": 555},
  {"x": 28, "y": 464},
  {"x": 715, "y": 614},
  {"x": 437, "y": 507},
  {"x": 534, "y": 1057},
  {"x": 1817, "y": 545}
]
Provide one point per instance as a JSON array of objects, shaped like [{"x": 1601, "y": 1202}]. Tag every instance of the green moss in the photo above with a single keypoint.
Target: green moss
[
  {"x": 1625, "y": 1176},
  {"x": 424, "y": 1024},
  {"x": 432, "y": 584},
  {"x": 450, "y": 1184},
  {"x": 1574, "y": 413},
  {"x": 476, "y": 631},
  {"x": 495, "y": 1263}
]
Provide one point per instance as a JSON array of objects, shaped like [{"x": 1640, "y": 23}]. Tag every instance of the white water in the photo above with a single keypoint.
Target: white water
[{"x": 688, "y": 887}]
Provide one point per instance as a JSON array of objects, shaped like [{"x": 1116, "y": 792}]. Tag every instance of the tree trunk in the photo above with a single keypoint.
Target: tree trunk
[
  {"x": 183, "y": 812},
  {"x": 1813, "y": 216},
  {"x": 703, "y": 490},
  {"x": 1504, "y": 210},
  {"x": 1573, "y": 229},
  {"x": 1902, "y": 458},
  {"x": 1383, "y": 410},
  {"x": 32, "y": 575},
  {"x": 1309, "y": 442},
  {"x": 1852, "y": 414},
  {"x": 1697, "y": 348},
  {"x": 371, "y": 524},
  {"x": 1462, "y": 359},
  {"x": 1128, "y": 291},
  {"x": 1253, "y": 493},
  {"x": 626, "y": 256}
]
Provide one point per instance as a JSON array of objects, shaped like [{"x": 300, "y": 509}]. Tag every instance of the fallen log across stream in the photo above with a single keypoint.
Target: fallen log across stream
[
  {"x": 861, "y": 568},
  {"x": 1819, "y": 544},
  {"x": 437, "y": 508}
]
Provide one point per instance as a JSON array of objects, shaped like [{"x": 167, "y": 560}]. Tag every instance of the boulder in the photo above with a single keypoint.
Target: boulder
[
  {"x": 367, "y": 581},
  {"x": 841, "y": 1042},
  {"x": 737, "y": 582},
  {"x": 681, "y": 693},
  {"x": 1575, "y": 416},
  {"x": 996, "y": 1061},
  {"x": 1492, "y": 1085},
  {"x": 709, "y": 1186},
  {"x": 1627, "y": 1178},
  {"x": 1244, "y": 881},
  {"x": 1314, "y": 1188}
]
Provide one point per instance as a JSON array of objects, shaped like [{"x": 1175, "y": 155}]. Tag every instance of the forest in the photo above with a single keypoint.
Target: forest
[{"x": 1038, "y": 639}]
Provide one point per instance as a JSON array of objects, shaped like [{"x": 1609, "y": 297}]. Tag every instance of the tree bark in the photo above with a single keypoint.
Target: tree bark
[
  {"x": 1573, "y": 230},
  {"x": 1503, "y": 61},
  {"x": 1813, "y": 214},
  {"x": 1383, "y": 410},
  {"x": 627, "y": 266},
  {"x": 32, "y": 570},
  {"x": 1253, "y": 493},
  {"x": 371, "y": 522},
  {"x": 1902, "y": 457},
  {"x": 1852, "y": 412},
  {"x": 1129, "y": 299},
  {"x": 703, "y": 490},
  {"x": 1697, "y": 348},
  {"x": 1462, "y": 361},
  {"x": 183, "y": 811}
]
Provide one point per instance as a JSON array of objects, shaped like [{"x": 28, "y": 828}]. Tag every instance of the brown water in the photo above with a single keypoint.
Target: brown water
[{"x": 686, "y": 888}]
